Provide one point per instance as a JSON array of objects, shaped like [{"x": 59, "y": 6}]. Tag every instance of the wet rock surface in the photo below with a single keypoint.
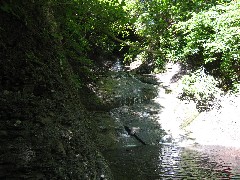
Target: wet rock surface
[
  {"x": 120, "y": 88},
  {"x": 143, "y": 118},
  {"x": 171, "y": 151}
]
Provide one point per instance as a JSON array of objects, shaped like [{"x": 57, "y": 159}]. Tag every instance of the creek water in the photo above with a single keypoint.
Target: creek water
[
  {"x": 163, "y": 159},
  {"x": 166, "y": 162},
  {"x": 164, "y": 156}
]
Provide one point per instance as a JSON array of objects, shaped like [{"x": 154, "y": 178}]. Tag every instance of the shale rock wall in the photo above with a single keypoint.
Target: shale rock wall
[{"x": 45, "y": 131}]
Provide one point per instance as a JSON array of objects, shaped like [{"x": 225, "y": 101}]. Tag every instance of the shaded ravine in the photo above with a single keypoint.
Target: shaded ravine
[{"x": 170, "y": 153}]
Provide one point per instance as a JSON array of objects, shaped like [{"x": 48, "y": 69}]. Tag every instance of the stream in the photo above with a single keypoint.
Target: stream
[
  {"x": 162, "y": 160},
  {"x": 165, "y": 156},
  {"x": 166, "y": 162}
]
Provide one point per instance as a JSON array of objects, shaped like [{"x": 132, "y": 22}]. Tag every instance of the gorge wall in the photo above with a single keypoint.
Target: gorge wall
[{"x": 45, "y": 130}]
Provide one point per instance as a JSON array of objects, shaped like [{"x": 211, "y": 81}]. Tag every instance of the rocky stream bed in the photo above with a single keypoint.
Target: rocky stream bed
[{"x": 182, "y": 143}]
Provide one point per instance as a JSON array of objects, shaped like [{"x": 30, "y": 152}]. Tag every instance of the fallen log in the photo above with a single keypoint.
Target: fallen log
[{"x": 132, "y": 132}]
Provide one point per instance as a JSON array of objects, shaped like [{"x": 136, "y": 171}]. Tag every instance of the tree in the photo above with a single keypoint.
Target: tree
[{"x": 211, "y": 39}]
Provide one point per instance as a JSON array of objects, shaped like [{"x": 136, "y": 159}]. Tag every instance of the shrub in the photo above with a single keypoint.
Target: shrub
[{"x": 200, "y": 87}]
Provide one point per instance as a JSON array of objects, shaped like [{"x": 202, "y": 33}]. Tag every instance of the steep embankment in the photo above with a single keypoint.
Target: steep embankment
[{"x": 45, "y": 132}]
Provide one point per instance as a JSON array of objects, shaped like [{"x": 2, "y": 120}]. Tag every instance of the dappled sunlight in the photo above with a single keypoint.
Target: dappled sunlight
[
  {"x": 214, "y": 133},
  {"x": 219, "y": 127},
  {"x": 176, "y": 145},
  {"x": 80, "y": 97}
]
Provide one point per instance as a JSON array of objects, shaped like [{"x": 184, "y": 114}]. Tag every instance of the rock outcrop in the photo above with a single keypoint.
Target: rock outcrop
[{"x": 45, "y": 131}]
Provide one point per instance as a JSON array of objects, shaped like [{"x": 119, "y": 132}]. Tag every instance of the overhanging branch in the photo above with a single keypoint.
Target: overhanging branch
[{"x": 132, "y": 45}]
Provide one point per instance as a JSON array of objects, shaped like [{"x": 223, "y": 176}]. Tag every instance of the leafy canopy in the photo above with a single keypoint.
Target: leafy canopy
[
  {"x": 212, "y": 38},
  {"x": 156, "y": 31}
]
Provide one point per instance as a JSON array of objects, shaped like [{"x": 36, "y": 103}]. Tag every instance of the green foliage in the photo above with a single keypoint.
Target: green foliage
[
  {"x": 199, "y": 86},
  {"x": 212, "y": 38},
  {"x": 88, "y": 30},
  {"x": 83, "y": 27},
  {"x": 160, "y": 63},
  {"x": 151, "y": 23},
  {"x": 236, "y": 88}
]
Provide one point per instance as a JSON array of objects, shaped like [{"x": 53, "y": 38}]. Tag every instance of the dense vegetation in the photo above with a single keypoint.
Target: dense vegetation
[
  {"x": 52, "y": 50},
  {"x": 211, "y": 39},
  {"x": 198, "y": 32}
]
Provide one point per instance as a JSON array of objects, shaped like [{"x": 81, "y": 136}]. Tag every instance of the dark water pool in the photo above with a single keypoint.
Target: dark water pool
[{"x": 167, "y": 162}]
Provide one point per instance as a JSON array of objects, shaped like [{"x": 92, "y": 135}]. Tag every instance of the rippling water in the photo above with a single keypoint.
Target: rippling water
[
  {"x": 133, "y": 161},
  {"x": 166, "y": 162},
  {"x": 169, "y": 160}
]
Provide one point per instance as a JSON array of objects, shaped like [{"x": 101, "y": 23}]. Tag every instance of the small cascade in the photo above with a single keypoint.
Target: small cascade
[
  {"x": 117, "y": 66},
  {"x": 119, "y": 88},
  {"x": 126, "y": 88}
]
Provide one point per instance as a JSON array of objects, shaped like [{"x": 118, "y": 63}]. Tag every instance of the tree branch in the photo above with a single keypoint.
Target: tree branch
[{"x": 132, "y": 45}]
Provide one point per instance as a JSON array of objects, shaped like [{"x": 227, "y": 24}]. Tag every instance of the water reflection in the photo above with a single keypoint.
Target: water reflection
[{"x": 166, "y": 162}]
